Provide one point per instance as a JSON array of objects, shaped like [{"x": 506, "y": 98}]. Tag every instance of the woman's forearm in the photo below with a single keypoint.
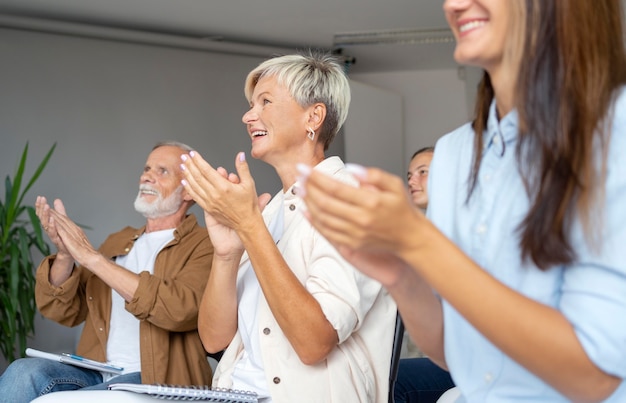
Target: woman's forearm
[
  {"x": 298, "y": 314},
  {"x": 217, "y": 315},
  {"x": 421, "y": 313},
  {"x": 537, "y": 336}
]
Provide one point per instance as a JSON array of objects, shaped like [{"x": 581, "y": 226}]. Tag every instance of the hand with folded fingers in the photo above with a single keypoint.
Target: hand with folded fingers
[
  {"x": 43, "y": 211},
  {"x": 228, "y": 199},
  {"x": 73, "y": 238},
  {"x": 231, "y": 199},
  {"x": 376, "y": 216}
]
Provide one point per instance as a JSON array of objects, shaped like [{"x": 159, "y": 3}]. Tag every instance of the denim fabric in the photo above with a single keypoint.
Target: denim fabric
[
  {"x": 420, "y": 381},
  {"x": 28, "y": 378}
]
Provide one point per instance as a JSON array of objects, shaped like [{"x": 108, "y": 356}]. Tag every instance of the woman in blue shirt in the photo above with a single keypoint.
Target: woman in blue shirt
[{"x": 517, "y": 281}]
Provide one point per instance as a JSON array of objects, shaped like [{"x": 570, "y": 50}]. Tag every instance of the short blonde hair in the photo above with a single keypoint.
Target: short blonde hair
[{"x": 310, "y": 78}]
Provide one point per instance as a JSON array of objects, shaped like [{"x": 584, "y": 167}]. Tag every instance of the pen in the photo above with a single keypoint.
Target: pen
[{"x": 100, "y": 364}]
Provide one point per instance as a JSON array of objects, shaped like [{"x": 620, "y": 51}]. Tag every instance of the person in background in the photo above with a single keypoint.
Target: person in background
[
  {"x": 298, "y": 322},
  {"x": 137, "y": 295},
  {"x": 515, "y": 281},
  {"x": 419, "y": 379},
  {"x": 417, "y": 176}
]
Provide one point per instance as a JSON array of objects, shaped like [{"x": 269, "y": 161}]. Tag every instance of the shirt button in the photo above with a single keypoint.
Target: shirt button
[
  {"x": 481, "y": 229},
  {"x": 101, "y": 329},
  {"x": 126, "y": 249},
  {"x": 276, "y": 380},
  {"x": 90, "y": 298},
  {"x": 293, "y": 190},
  {"x": 292, "y": 207},
  {"x": 488, "y": 377},
  {"x": 266, "y": 331}
]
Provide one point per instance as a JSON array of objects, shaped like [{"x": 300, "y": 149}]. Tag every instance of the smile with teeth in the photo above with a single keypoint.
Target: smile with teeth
[
  {"x": 471, "y": 25},
  {"x": 148, "y": 191},
  {"x": 259, "y": 133}
]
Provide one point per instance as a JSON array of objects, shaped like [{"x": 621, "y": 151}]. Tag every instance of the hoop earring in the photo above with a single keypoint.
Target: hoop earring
[{"x": 310, "y": 133}]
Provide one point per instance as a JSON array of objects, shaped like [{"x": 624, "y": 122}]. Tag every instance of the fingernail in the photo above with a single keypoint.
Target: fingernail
[
  {"x": 304, "y": 170},
  {"x": 182, "y": 167},
  {"x": 184, "y": 157},
  {"x": 242, "y": 157},
  {"x": 184, "y": 182},
  {"x": 192, "y": 154},
  {"x": 299, "y": 189},
  {"x": 357, "y": 170}
]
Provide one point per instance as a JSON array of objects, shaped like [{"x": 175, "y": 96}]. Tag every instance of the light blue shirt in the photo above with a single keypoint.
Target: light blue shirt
[{"x": 591, "y": 292}]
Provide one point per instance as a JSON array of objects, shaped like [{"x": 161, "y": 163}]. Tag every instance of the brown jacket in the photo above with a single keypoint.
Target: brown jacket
[{"x": 166, "y": 304}]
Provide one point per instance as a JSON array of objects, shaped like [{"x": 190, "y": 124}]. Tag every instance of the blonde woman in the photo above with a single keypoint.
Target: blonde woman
[{"x": 298, "y": 322}]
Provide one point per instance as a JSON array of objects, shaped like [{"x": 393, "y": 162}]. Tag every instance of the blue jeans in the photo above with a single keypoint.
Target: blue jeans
[
  {"x": 28, "y": 378},
  {"x": 420, "y": 381}
]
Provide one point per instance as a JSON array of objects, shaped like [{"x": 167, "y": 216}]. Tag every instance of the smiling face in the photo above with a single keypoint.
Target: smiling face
[
  {"x": 160, "y": 192},
  {"x": 481, "y": 29},
  {"x": 276, "y": 123},
  {"x": 417, "y": 177}
]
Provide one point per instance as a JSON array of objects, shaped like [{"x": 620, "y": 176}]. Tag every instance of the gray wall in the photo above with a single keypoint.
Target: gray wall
[
  {"x": 105, "y": 104},
  {"x": 434, "y": 103},
  {"x": 374, "y": 132}
]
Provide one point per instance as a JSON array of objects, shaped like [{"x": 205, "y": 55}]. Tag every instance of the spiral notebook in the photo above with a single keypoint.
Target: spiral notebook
[{"x": 204, "y": 393}]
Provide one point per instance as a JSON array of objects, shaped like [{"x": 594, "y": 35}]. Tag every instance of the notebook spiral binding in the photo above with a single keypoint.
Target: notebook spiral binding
[
  {"x": 194, "y": 392},
  {"x": 190, "y": 393}
]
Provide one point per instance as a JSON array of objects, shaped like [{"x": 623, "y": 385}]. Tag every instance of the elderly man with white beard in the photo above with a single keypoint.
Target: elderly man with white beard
[{"x": 137, "y": 295}]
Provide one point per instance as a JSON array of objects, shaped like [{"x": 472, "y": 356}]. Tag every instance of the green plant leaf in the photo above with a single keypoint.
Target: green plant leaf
[
  {"x": 14, "y": 272},
  {"x": 41, "y": 245},
  {"x": 8, "y": 327},
  {"x": 7, "y": 215},
  {"x": 14, "y": 190},
  {"x": 38, "y": 172},
  {"x": 17, "y": 277}
]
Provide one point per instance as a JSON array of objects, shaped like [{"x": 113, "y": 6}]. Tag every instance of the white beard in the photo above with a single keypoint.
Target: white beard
[{"x": 160, "y": 207}]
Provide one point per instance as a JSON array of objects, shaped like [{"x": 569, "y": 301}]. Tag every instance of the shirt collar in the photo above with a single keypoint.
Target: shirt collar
[
  {"x": 184, "y": 228},
  {"x": 328, "y": 166},
  {"x": 500, "y": 133}
]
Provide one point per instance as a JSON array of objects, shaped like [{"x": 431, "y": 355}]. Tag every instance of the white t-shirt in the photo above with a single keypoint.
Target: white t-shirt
[
  {"x": 123, "y": 342},
  {"x": 249, "y": 373}
]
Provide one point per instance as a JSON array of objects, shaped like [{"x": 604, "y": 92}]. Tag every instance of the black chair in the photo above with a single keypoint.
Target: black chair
[
  {"x": 216, "y": 356},
  {"x": 395, "y": 355}
]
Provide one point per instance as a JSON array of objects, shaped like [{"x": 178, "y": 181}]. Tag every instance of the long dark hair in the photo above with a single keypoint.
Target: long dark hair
[{"x": 571, "y": 67}]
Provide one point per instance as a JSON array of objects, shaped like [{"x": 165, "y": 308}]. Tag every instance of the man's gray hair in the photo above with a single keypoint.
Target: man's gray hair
[{"x": 173, "y": 143}]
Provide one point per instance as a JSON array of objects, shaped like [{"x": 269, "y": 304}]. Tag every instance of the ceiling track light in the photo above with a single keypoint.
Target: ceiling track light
[{"x": 398, "y": 37}]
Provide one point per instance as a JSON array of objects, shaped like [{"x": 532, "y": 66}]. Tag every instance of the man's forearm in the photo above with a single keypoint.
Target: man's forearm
[
  {"x": 61, "y": 269},
  {"x": 123, "y": 281}
]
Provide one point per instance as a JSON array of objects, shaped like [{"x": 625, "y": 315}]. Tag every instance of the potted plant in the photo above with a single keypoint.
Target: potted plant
[{"x": 18, "y": 236}]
